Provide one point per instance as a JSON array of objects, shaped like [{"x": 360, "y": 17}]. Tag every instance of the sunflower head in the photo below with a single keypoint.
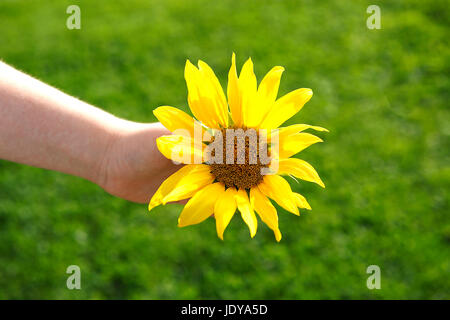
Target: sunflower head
[{"x": 233, "y": 151}]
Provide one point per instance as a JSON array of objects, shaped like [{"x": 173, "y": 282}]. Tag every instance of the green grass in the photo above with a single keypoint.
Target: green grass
[{"x": 382, "y": 93}]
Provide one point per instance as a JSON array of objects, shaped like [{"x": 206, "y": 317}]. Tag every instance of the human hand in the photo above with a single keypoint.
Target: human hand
[{"x": 133, "y": 168}]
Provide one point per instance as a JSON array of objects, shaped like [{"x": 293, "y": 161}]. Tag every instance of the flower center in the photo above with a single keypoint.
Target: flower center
[{"x": 237, "y": 157}]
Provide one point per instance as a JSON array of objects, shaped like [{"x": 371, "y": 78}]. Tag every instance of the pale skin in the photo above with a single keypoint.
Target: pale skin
[{"x": 43, "y": 127}]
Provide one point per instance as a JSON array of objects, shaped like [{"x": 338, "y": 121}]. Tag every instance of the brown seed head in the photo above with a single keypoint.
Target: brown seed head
[{"x": 243, "y": 169}]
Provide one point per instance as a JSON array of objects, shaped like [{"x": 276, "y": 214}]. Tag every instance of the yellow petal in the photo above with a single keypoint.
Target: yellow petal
[
  {"x": 215, "y": 93},
  {"x": 192, "y": 77},
  {"x": 268, "y": 88},
  {"x": 234, "y": 96},
  {"x": 278, "y": 189},
  {"x": 175, "y": 119},
  {"x": 266, "y": 95},
  {"x": 293, "y": 129},
  {"x": 169, "y": 184},
  {"x": 293, "y": 144},
  {"x": 285, "y": 107},
  {"x": 181, "y": 149},
  {"x": 265, "y": 210},
  {"x": 202, "y": 109},
  {"x": 224, "y": 210},
  {"x": 201, "y": 205},
  {"x": 190, "y": 183},
  {"x": 246, "y": 210},
  {"x": 206, "y": 100},
  {"x": 247, "y": 85},
  {"x": 299, "y": 169},
  {"x": 301, "y": 202}
]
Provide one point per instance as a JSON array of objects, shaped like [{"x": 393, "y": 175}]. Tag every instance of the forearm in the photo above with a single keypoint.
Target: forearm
[{"x": 44, "y": 127}]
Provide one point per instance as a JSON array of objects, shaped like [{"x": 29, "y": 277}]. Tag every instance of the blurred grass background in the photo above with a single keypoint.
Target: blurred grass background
[{"x": 382, "y": 93}]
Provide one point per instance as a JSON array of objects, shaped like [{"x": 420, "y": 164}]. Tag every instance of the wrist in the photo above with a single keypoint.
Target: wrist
[
  {"x": 123, "y": 141},
  {"x": 111, "y": 132}
]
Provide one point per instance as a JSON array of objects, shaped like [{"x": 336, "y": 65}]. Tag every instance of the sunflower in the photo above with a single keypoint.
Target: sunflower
[{"x": 220, "y": 188}]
